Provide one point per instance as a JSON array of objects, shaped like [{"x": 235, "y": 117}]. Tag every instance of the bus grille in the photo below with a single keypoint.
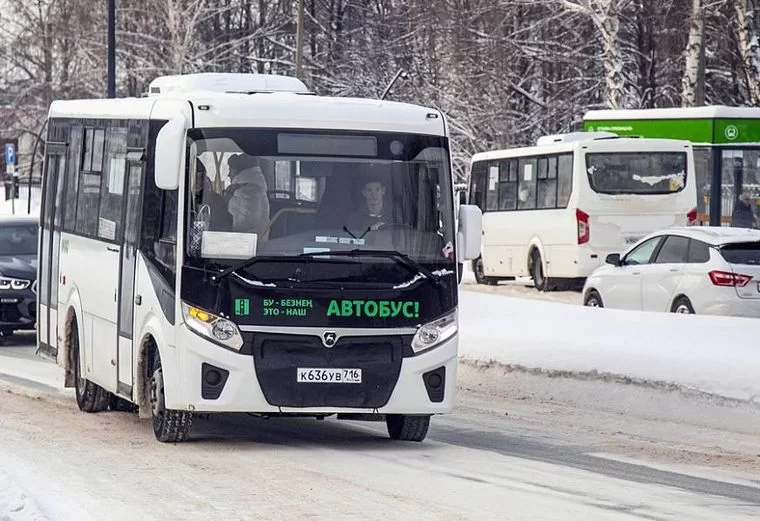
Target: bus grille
[{"x": 277, "y": 358}]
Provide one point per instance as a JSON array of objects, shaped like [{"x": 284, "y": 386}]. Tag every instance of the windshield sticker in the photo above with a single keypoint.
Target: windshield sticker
[
  {"x": 324, "y": 238},
  {"x": 286, "y": 307},
  {"x": 352, "y": 240},
  {"x": 316, "y": 250},
  {"x": 676, "y": 180},
  {"x": 373, "y": 308}
]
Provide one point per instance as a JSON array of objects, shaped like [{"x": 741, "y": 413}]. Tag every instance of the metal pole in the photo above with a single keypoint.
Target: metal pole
[
  {"x": 31, "y": 167},
  {"x": 299, "y": 38},
  {"x": 390, "y": 85},
  {"x": 111, "y": 48}
]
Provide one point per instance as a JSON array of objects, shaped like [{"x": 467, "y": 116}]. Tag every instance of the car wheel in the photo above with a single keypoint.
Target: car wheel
[
  {"x": 90, "y": 397},
  {"x": 593, "y": 300},
  {"x": 407, "y": 428},
  {"x": 682, "y": 305}
]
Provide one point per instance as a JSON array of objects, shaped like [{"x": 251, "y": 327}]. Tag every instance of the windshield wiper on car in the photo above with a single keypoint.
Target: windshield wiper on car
[{"x": 399, "y": 257}]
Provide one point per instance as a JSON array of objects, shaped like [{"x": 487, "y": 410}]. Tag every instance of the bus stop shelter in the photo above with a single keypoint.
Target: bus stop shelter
[{"x": 726, "y": 153}]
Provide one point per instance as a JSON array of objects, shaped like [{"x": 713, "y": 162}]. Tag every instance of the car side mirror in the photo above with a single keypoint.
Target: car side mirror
[{"x": 614, "y": 259}]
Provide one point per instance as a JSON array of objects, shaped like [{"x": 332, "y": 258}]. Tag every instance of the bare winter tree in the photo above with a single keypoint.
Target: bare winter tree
[
  {"x": 607, "y": 16},
  {"x": 691, "y": 94}
]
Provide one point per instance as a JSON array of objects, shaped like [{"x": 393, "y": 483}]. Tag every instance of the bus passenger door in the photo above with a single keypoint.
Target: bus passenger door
[
  {"x": 50, "y": 222},
  {"x": 127, "y": 272}
]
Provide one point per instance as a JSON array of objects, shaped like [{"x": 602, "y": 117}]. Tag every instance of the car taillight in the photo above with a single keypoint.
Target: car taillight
[
  {"x": 691, "y": 217},
  {"x": 724, "y": 278},
  {"x": 584, "y": 233}
]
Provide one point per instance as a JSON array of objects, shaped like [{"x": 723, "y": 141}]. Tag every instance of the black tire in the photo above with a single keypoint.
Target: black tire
[
  {"x": 480, "y": 274},
  {"x": 90, "y": 397},
  {"x": 541, "y": 282},
  {"x": 682, "y": 305},
  {"x": 593, "y": 299},
  {"x": 169, "y": 426},
  {"x": 407, "y": 428}
]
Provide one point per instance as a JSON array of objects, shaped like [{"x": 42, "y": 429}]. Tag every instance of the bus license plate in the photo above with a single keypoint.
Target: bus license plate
[{"x": 328, "y": 376}]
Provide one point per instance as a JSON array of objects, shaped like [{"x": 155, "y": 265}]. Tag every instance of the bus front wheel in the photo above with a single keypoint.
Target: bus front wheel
[
  {"x": 407, "y": 428},
  {"x": 169, "y": 426}
]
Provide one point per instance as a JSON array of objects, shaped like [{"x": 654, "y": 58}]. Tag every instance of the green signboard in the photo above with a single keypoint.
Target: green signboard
[{"x": 703, "y": 131}]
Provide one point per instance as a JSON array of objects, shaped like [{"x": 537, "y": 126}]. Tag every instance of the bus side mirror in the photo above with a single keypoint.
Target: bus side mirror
[
  {"x": 470, "y": 232},
  {"x": 170, "y": 150}
]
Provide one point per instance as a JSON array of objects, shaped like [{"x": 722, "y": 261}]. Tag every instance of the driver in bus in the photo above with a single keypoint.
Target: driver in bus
[
  {"x": 247, "y": 199},
  {"x": 373, "y": 214}
]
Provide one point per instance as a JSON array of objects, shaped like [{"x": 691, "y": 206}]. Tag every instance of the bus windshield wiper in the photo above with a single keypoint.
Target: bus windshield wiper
[
  {"x": 246, "y": 263},
  {"x": 399, "y": 257}
]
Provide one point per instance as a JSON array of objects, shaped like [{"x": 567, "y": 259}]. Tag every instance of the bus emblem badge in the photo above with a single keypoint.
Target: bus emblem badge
[{"x": 329, "y": 338}]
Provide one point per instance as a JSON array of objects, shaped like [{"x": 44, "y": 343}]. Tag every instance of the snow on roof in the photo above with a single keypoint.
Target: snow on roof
[
  {"x": 710, "y": 112},
  {"x": 225, "y": 82}
]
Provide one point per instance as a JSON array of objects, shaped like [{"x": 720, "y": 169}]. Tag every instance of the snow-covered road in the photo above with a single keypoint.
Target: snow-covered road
[{"x": 520, "y": 447}]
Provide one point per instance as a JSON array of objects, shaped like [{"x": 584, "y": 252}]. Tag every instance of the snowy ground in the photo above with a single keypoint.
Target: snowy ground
[
  {"x": 544, "y": 430},
  {"x": 520, "y": 447},
  {"x": 20, "y": 205}
]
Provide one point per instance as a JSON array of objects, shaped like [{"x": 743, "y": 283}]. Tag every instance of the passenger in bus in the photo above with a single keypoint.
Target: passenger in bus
[
  {"x": 246, "y": 195},
  {"x": 744, "y": 214},
  {"x": 219, "y": 218},
  {"x": 372, "y": 214}
]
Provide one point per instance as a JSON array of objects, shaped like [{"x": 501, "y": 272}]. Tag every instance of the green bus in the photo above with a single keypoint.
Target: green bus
[{"x": 726, "y": 153}]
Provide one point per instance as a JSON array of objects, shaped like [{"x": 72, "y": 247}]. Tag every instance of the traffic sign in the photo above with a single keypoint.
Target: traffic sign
[{"x": 10, "y": 154}]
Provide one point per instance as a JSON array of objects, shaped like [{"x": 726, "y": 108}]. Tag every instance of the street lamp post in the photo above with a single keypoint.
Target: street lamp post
[{"x": 111, "y": 48}]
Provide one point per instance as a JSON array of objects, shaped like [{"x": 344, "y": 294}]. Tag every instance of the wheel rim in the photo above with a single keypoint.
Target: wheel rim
[
  {"x": 592, "y": 302},
  {"x": 683, "y": 309}
]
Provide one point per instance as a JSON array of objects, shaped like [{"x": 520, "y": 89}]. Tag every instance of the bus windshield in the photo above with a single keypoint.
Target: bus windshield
[
  {"x": 636, "y": 172},
  {"x": 311, "y": 191}
]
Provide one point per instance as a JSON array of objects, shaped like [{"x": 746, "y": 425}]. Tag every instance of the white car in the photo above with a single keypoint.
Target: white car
[{"x": 699, "y": 269}]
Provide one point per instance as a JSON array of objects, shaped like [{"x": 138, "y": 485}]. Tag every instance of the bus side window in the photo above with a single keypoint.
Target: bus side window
[
  {"x": 564, "y": 179},
  {"x": 507, "y": 185},
  {"x": 492, "y": 192},
  {"x": 478, "y": 185},
  {"x": 526, "y": 194}
]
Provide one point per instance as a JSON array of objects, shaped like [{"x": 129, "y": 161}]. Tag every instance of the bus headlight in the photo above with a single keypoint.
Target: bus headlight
[
  {"x": 213, "y": 327},
  {"x": 435, "y": 333}
]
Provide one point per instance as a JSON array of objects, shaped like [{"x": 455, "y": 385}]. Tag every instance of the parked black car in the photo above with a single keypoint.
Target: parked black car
[{"x": 18, "y": 274}]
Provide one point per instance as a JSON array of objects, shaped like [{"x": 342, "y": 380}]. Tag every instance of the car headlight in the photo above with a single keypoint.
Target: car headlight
[
  {"x": 213, "y": 327},
  {"x": 10, "y": 283},
  {"x": 435, "y": 333}
]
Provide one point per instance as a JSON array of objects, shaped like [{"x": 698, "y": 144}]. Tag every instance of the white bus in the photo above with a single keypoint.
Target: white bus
[
  {"x": 555, "y": 210},
  {"x": 232, "y": 243}
]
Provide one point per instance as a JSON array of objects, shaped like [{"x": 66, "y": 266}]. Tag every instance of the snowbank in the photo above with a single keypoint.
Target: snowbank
[
  {"x": 15, "y": 505},
  {"x": 718, "y": 355}
]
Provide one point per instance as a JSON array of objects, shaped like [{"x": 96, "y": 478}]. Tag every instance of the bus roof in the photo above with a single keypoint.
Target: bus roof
[
  {"x": 273, "y": 107},
  {"x": 710, "y": 112},
  {"x": 602, "y": 144}
]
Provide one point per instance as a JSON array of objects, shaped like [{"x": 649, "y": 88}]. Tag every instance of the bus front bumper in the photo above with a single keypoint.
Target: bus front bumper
[{"x": 241, "y": 390}]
